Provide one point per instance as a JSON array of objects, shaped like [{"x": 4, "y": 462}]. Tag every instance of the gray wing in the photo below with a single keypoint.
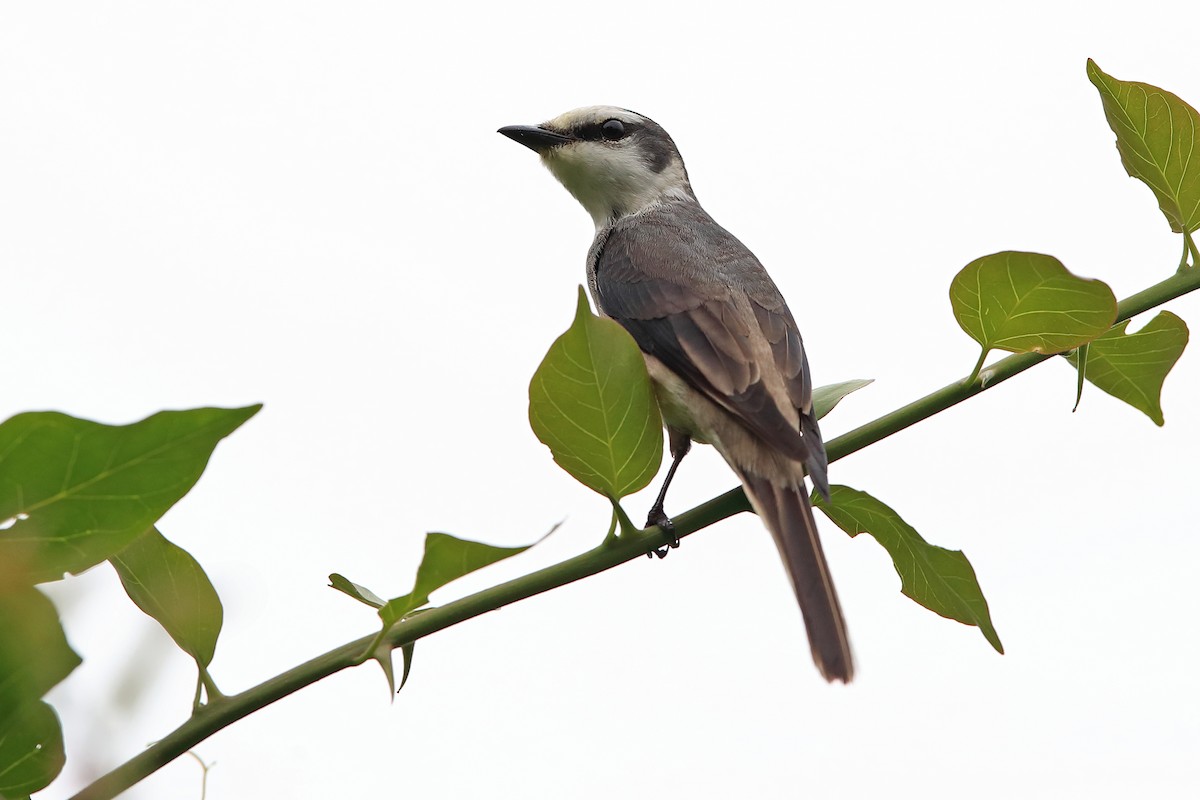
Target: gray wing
[{"x": 676, "y": 280}]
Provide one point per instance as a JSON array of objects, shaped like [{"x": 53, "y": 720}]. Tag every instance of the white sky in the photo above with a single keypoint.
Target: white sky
[{"x": 307, "y": 205}]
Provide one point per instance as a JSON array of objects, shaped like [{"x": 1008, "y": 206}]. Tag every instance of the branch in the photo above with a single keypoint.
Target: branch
[{"x": 224, "y": 710}]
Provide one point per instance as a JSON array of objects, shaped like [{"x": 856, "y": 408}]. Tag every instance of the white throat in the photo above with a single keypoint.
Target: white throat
[{"x": 612, "y": 183}]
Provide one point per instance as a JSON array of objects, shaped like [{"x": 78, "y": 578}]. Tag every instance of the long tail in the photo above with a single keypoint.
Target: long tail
[{"x": 788, "y": 515}]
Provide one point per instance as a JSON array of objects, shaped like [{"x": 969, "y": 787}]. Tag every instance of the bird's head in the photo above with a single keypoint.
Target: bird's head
[{"x": 614, "y": 162}]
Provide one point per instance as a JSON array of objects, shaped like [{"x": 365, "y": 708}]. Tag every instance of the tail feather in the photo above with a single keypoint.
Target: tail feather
[{"x": 788, "y": 514}]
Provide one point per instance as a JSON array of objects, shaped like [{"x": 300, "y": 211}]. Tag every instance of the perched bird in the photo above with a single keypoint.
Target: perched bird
[{"x": 720, "y": 343}]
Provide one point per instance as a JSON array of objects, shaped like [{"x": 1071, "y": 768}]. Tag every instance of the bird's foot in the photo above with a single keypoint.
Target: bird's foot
[{"x": 659, "y": 518}]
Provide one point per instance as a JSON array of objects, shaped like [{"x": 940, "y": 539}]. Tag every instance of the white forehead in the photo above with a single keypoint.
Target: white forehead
[{"x": 582, "y": 116}]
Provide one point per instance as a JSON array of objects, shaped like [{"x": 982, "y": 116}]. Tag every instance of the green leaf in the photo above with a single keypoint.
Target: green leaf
[
  {"x": 360, "y": 593},
  {"x": 1157, "y": 139},
  {"x": 31, "y": 749},
  {"x": 1133, "y": 366},
  {"x": 447, "y": 558},
  {"x": 826, "y": 398},
  {"x": 1028, "y": 302},
  {"x": 34, "y": 654},
  {"x": 79, "y": 492},
  {"x": 939, "y": 579},
  {"x": 168, "y": 584},
  {"x": 592, "y": 404}
]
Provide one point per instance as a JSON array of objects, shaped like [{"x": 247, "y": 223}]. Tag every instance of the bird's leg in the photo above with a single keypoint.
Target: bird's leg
[{"x": 681, "y": 443}]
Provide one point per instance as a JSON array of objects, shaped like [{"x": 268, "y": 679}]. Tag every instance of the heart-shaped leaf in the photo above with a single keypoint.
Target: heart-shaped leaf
[
  {"x": 592, "y": 404},
  {"x": 168, "y": 584},
  {"x": 1133, "y": 366},
  {"x": 1029, "y": 303},
  {"x": 79, "y": 492},
  {"x": 941, "y": 580},
  {"x": 1157, "y": 137}
]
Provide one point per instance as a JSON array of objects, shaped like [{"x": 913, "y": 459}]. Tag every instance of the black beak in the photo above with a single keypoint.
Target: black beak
[{"x": 536, "y": 139}]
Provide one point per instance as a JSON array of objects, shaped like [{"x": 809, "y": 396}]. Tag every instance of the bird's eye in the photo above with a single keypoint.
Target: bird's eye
[{"x": 612, "y": 130}]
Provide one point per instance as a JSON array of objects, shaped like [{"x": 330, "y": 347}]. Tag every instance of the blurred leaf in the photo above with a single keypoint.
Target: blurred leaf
[
  {"x": 826, "y": 398},
  {"x": 1157, "y": 139},
  {"x": 31, "y": 749},
  {"x": 1133, "y": 366},
  {"x": 360, "y": 593},
  {"x": 939, "y": 579},
  {"x": 1028, "y": 302},
  {"x": 34, "y": 654},
  {"x": 592, "y": 404},
  {"x": 447, "y": 558},
  {"x": 168, "y": 584},
  {"x": 80, "y": 492}
]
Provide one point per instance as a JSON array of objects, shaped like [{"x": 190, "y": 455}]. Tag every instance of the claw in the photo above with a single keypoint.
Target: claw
[{"x": 659, "y": 518}]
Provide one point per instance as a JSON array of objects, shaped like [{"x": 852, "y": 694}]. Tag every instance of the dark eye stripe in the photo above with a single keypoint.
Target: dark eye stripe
[{"x": 610, "y": 130}]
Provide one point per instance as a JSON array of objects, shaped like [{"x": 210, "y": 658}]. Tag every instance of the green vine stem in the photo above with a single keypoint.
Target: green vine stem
[{"x": 222, "y": 711}]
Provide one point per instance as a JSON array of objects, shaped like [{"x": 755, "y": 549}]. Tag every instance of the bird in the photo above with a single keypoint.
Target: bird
[{"x": 721, "y": 346}]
